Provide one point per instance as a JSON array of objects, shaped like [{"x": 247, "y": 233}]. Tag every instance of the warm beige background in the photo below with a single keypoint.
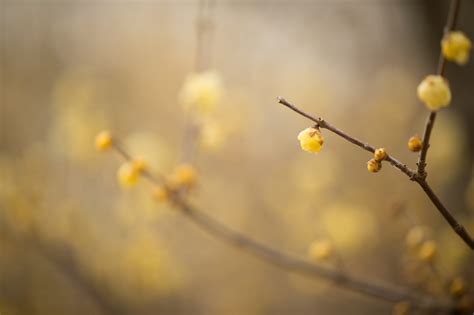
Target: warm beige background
[{"x": 72, "y": 68}]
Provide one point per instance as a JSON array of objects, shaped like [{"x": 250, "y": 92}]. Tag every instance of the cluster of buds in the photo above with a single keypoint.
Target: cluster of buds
[
  {"x": 183, "y": 177},
  {"x": 375, "y": 164},
  {"x": 434, "y": 90}
]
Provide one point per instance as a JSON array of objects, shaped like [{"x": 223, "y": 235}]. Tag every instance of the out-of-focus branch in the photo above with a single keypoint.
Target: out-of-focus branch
[
  {"x": 450, "y": 25},
  {"x": 413, "y": 175},
  {"x": 66, "y": 265},
  {"x": 295, "y": 264},
  {"x": 205, "y": 25}
]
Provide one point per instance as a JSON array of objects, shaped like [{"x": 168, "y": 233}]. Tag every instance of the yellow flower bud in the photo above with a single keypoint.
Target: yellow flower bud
[
  {"x": 401, "y": 308},
  {"x": 161, "y": 193},
  {"x": 374, "y": 166},
  {"x": 415, "y": 144},
  {"x": 202, "y": 91},
  {"x": 320, "y": 250},
  {"x": 311, "y": 140},
  {"x": 428, "y": 251},
  {"x": 456, "y": 47},
  {"x": 128, "y": 174},
  {"x": 434, "y": 91},
  {"x": 415, "y": 236},
  {"x": 103, "y": 140},
  {"x": 457, "y": 287},
  {"x": 184, "y": 175},
  {"x": 139, "y": 164},
  {"x": 380, "y": 154}
]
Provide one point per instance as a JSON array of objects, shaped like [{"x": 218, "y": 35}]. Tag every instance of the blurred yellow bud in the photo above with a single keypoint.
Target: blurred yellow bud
[
  {"x": 128, "y": 174},
  {"x": 401, "y": 308},
  {"x": 434, "y": 91},
  {"x": 428, "y": 251},
  {"x": 202, "y": 91},
  {"x": 456, "y": 47},
  {"x": 184, "y": 175},
  {"x": 415, "y": 236},
  {"x": 415, "y": 144},
  {"x": 311, "y": 140},
  {"x": 374, "y": 166},
  {"x": 139, "y": 164},
  {"x": 103, "y": 141},
  {"x": 161, "y": 193},
  {"x": 457, "y": 287},
  {"x": 380, "y": 154},
  {"x": 320, "y": 250}
]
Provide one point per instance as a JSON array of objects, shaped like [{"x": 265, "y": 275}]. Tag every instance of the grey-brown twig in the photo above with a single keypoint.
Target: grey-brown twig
[
  {"x": 413, "y": 175},
  {"x": 364, "y": 145}
]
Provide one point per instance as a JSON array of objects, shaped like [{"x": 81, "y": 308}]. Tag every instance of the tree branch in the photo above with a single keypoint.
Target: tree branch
[
  {"x": 295, "y": 264},
  {"x": 364, "y": 145},
  {"x": 450, "y": 25},
  {"x": 457, "y": 227},
  {"x": 414, "y": 176}
]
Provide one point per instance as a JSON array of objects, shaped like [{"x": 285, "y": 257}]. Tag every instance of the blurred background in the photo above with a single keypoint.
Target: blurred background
[{"x": 72, "y": 241}]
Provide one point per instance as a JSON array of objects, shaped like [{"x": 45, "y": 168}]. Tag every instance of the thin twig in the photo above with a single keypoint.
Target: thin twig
[
  {"x": 430, "y": 121},
  {"x": 421, "y": 180},
  {"x": 457, "y": 227},
  {"x": 295, "y": 264},
  {"x": 364, "y": 145}
]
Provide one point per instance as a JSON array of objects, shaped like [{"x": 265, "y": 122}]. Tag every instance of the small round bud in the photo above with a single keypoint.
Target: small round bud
[
  {"x": 161, "y": 193},
  {"x": 401, "y": 308},
  {"x": 456, "y": 47},
  {"x": 457, "y": 287},
  {"x": 202, "y": 91},
  {"x": 103, "y": 141},
  {"x": 127, "y": 174},
  {"x": 184, "y": 175},
  {"x": 311, "y": 140},
  {"x": 320, "y": 250},
  {"x": 139, "y": 164},
  {"x": 415, "y": 236},
  {"x": 415, "y": 144},
  {"x": 374, "y": 166},
  {"x": 380, "y": 154},
  {"x": 428, "y": 251},
  {"x": 434, "y": 91}
]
